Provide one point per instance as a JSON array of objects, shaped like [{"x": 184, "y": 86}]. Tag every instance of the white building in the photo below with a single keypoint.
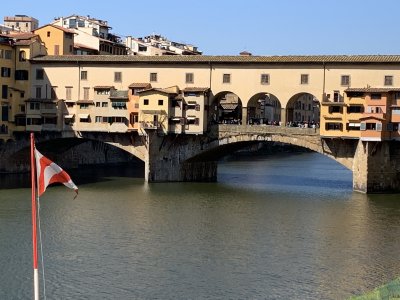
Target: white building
[
  {"x": 158, "y": 45},
  {"x": 92, "y": 36}
]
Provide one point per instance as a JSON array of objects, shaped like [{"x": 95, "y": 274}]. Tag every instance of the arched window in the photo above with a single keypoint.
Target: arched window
[{"x": 22, "y": 55}]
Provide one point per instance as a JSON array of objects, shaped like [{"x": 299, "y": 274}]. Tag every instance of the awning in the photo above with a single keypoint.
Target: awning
[
  {"x": 354, "y": 124},
  {"x": 154, "y": 112},
  {"x": 83, "y": 116},
  {"x": 192, "y": 102},
  {"x": 85, "y": 102},
  {"x": 68, "y": 116},
  {"x": 191, "y": 118},
  {"x": 176, "y": 119}
]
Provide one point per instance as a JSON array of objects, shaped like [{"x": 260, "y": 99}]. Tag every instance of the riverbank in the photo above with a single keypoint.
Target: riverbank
[{"x": 387, "y": 291}]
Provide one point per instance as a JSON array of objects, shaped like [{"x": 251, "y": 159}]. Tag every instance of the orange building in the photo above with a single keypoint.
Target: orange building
[
  {"x": 370, "y": 114},
  {"x": 58, "y": 40}
]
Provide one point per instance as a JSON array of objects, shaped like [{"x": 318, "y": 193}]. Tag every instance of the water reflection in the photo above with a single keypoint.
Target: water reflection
[{"x": 272, "y": 228}]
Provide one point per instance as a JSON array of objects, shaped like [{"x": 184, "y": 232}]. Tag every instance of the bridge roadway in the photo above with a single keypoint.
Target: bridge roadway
[{"x": 185, "y": 157}]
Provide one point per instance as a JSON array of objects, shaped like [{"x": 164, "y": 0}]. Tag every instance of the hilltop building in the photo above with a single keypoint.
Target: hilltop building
[
  {"x": 92, "y": 36},
  {"x": 158, "y": 45},
  {"x": 21, "y": 23}
]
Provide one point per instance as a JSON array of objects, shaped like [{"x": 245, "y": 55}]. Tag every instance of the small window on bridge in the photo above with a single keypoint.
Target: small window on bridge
[
  {"x": 335, "y": 109},
  {"x": 333, "y": 126},
  {"x": 355, "y": 109},
  {"x": 264, "y": 78},
  {"x": 304, "y": 79}
]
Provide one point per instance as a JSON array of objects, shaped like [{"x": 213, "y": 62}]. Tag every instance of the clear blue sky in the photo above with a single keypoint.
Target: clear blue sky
[{"x": 227, "y": 27}]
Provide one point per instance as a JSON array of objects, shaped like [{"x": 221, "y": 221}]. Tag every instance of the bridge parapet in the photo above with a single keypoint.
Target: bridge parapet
[{"x": 259, "y": 129}]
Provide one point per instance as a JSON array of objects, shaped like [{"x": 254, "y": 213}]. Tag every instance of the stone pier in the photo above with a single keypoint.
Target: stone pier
[
  {"x": 170, "y": 158},
  {"x": 376, "y": 167}
]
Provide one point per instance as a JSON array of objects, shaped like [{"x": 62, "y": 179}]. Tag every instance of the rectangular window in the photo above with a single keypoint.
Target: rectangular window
[
  {"x": 226, "y": 78},
  {"x": 38, "y": 92},
  {"x": 21, "y": 75},
  {"x": 48, "y": 33},
  {"x": 5, "y": 72},
  {"x": 99, "y": 119},
  {"x": 84, "y": 106},
  {"x": 39, "y": 74},
  {"x": 117, "y": 76},
  {"x": 355, "y": 109},
  {"x": 189, "y": 78},
  {"x": 68, "y": 92},
  {"x": 376, "y": 96},
  {"x": 98, "y": 104},
  {"x": 104, "y": 104},
  {"x": 264, "y": 78},
  {"x": 353, "y": 126},
  {"x": 333, "y": 126},
  {"x": 304, "y": 79},
  {"x": 160, "y": 102},
  {"x": 388, "y": 80},
  {"x": 145, "y": 101},
  {"x": 4, "y": 91},
  {"x": 335, "y": 109},
  {"x": 34, "y": 106},
  {"x": 345, "y": 80},
  {"x": 83, "y": 75},
  {"x": 7, "y": 54},
  {"x": 153, "y": 77},
  {"x": 102, "y": 91},
  {"x": 86, "y": 93}
]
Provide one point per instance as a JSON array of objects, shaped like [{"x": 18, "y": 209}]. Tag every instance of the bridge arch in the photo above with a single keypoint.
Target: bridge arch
[
  {"x": 303, "y": 108},
  {"x": 226, "y": 108},
  {"x": 233, "y": 137},
  {"x": 264, "y": 108},
  {"x": 71, "y": 151}
]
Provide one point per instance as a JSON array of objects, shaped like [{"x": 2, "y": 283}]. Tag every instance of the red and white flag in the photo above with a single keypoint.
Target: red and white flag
[{"x": 48, "y": 172}]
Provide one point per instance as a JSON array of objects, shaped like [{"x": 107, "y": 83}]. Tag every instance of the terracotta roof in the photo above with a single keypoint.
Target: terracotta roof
[
  {"x": 66, "y": 30},
  {"x": 23, "y": 42},
  {"x": 204, "y": 59},
  {"x": 82, "y": 46},
  {"x": 85, "y": 102},
  {"x": 196, "y": 89},
  {"x": 372, "y": 117},
  {"x": 140, "y": 85},
  {"x": 372, "y": 90},
  {"x": 163, "y": 91},
  {"x": 21, "y": 35}
]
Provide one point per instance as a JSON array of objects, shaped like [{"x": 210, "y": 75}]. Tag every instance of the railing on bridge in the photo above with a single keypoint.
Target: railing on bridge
[{"x": 265, "y": 129}]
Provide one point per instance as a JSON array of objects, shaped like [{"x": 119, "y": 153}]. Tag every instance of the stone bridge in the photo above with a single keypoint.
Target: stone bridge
[{"x": 167, "y": 158}]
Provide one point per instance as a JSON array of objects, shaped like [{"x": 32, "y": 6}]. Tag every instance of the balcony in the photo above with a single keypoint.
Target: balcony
[{"x": 119, "y": 95}]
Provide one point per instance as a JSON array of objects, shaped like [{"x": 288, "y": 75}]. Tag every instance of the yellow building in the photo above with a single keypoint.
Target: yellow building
[
  {"x": 7, "y": 82},
  {"x": 58, "y": 40},
  {"x": 154, "y": 108}
]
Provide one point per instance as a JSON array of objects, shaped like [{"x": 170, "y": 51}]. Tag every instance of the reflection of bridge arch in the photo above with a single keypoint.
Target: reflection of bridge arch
[
  {"x": 263, "y": 108},
  {"x": 226, "y": 108},
  {"x": 303, "y": 108}
]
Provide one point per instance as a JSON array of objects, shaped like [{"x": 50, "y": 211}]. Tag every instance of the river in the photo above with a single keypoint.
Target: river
[{"x": 285, "y": 226}]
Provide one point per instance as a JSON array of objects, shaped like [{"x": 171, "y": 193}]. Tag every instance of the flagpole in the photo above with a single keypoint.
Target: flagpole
[{"x": 34, "y": 222}]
